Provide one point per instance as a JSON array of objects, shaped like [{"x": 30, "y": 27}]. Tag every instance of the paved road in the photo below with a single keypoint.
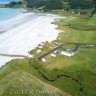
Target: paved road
[
  {"x": 76, "y": 48},
  {"x": 77, "y": 45}
]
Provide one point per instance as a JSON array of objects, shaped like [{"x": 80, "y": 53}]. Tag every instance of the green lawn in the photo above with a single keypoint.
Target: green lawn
[
  {"x": 17, "y": 78},
  {"x": 81, "y": 66}
]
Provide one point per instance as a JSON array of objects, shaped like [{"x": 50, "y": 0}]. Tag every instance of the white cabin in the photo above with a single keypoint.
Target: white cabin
[
  {"x": 42, "y": 43},
  {"x": 43, "y": 60},
  {"x": 40, "y": 47},
  {"x": 55, "y": 52},
  {"x": 53, "y": 55},
  {"x": 38, "y": 51},
  {"x": 67, "y": 53}
]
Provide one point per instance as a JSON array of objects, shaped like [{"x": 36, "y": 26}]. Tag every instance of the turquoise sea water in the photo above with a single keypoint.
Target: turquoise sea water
[
  {"x": 12, "y": 17},
  {"x": 7, "y": 13}
]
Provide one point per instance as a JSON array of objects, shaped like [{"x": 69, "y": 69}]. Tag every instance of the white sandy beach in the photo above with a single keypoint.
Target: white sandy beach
[{"x": 27, "y": 36}]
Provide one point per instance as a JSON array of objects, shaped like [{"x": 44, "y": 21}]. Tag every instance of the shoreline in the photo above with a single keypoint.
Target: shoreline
[{"x": 24, "y": 40}]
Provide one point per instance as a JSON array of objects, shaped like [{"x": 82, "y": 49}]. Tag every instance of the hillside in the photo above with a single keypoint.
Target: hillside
[
  {"x": 79, "y": 6},
  {"x": 61, "y": 4}
]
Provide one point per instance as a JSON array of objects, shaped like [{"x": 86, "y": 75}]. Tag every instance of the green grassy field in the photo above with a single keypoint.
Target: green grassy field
[
  {"x": 74, "y": 75},
  {"x": 17, "y": 78},
  {"x": 81, "y": 66}
]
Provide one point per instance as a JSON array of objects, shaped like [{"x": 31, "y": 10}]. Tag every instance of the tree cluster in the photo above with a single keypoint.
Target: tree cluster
[
  {"x": 13, "y": 3},
  {"x": 81, "y": 4},
  {"x": 61, "y": 4},
  {"x": 35, "y": 3}
]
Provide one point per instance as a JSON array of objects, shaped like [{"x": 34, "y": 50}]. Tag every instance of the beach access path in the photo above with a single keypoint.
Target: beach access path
[{"x": 16, "y": 55}]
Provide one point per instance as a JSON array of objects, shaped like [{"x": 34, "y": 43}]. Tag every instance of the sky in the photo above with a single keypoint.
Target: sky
[{"x": 7, "y": 1}]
